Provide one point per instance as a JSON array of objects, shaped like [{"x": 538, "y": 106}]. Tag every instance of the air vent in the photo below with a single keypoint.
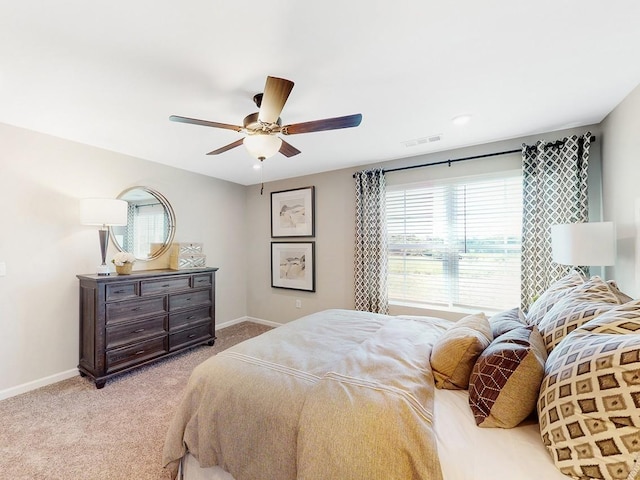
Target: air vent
[{"x": 422, "y": 141}]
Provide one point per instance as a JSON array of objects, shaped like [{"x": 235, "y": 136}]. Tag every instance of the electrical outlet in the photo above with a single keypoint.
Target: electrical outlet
[
  {"x": 298, "y": 303},
  {"x": 3, "y": 269}
]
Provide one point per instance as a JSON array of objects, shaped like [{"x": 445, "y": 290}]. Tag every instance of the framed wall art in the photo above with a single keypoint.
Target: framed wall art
[
  {"x": 293, "y": 265},
  {"x": 292, "y": 213}
]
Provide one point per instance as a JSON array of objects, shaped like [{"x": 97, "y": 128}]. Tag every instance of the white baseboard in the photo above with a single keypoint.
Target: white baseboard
[
  {"x": 42, "y": 382},
  {"x": 58, "y": 377},
  {"x": 247, "y": 319}
]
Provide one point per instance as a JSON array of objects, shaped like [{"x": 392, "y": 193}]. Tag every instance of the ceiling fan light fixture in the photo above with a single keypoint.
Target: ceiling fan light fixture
[{"x": 262, "y": 146}]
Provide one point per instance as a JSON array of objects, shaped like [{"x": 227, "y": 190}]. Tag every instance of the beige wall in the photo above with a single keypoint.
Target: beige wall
[
  {"x": 335, "y": 213},
  {"x": 43, "y": 245},
  {"x": 621, "y": 173}
]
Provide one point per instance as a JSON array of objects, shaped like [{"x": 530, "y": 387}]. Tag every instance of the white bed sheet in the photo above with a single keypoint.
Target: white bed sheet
[
  {"x": 466, "y": 452},
  {"x": 469, "y": 452}
]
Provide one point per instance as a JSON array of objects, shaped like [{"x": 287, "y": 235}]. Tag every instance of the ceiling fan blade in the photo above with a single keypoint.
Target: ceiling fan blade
[
  {"x": 320, "y": 125},
  {"x": 276, "y": 92},
  {"x": 288, "y": 150},
  {"x": 235, "y": 144},
  {"x": 205, "y": 123}
]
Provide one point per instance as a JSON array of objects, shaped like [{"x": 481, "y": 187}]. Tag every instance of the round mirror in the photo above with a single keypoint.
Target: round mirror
[{"x": 150, "y": 225}]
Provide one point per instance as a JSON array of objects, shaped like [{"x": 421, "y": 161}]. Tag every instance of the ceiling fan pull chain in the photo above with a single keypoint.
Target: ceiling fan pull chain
[{"x": 261, "y": 176}]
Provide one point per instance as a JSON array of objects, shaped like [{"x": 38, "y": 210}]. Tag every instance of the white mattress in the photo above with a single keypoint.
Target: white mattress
[{"x": 466, "y": 451}]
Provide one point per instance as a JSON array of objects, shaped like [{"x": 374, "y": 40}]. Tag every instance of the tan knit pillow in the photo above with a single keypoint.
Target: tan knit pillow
[
  {"x": 589, "y": 403},
  {"x": 505, "y": 381},
  {"x": 455, "y": 352}
]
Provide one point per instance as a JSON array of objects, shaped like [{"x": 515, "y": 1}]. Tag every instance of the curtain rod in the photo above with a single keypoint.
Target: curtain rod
[{"x": 462, "y": 159}]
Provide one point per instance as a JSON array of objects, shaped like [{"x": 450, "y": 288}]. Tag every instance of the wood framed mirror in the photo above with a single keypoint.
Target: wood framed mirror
[{"x": 151, "y": 224}]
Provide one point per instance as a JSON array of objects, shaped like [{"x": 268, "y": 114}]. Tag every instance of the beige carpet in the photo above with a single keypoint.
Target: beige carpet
[{"x": 72, "y": 431}]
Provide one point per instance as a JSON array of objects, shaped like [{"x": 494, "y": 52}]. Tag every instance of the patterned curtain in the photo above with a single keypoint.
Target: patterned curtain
[
  {"x": 554, "y": 192},
  {"x": 129, "y": 242},
  {"x": 371, "y": 242}
]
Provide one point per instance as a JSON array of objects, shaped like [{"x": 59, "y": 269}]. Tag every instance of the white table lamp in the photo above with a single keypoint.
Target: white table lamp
[
  {"x": 103, "y": 212},
  {"x": 584, "y": 244}
]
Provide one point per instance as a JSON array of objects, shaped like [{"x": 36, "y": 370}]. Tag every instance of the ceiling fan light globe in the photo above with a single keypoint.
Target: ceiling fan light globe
[{"x": 262, "y": 146}]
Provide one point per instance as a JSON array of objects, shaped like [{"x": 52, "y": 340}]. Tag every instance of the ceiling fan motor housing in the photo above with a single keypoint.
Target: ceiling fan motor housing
[{"x": 252, "y": 124}]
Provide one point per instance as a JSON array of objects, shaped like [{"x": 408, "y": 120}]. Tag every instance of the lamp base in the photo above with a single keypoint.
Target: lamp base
[{"x": 103, "y": 270}]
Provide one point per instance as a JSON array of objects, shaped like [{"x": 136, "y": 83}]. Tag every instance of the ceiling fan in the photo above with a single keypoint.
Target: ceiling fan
[{"x": 262, "y": 127}]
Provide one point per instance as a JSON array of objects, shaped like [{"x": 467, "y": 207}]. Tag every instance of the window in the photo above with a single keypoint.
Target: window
[
  {"x": 150, "y": 225},
  {"x": 456, "y": 243}
]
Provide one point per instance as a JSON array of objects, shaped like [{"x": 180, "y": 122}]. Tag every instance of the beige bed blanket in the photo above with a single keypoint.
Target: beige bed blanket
[{"x": 335, "y": 395}]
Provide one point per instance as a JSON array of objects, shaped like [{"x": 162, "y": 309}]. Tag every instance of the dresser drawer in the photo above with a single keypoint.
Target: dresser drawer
[
  {"x": 130, "y": 309},
  {"x": 191, "y": 317},
  {"x": 124, "y": 357},
  {"x": 162, "y": 285},
  {"x": 192, "y": 335},
  {"x": 204, "y": 280},
  {"x": 121, "y": 291},
  {"x": 190, "y": 299},
  {"x": 128, "y": 332}
]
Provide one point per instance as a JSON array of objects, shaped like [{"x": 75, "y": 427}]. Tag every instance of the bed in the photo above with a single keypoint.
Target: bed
[{"x": 351, "y": 395}]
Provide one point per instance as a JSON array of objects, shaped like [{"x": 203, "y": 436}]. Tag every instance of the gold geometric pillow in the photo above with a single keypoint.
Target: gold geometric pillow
[
  {"x": 589, "y": 402},
  {"x": 551, "y": 295},
  {"x": 577, "y": 307}
]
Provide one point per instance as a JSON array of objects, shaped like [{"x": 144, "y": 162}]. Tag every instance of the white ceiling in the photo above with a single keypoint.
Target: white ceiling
[{"x": 109, "y": 73}]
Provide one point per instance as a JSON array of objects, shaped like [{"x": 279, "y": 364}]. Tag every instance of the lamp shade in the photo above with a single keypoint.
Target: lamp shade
[
  {"x": 584, "y": 244},
  {"x": 262, "y": 146},
  {"x": 103, "y": 211}
]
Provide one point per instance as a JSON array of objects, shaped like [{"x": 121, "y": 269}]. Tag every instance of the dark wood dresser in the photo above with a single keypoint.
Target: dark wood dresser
[{"x": 130, "y": 320}]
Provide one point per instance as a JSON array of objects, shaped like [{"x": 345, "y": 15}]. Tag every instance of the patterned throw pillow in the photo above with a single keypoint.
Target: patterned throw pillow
[
  {"x": 622, "y": 297},
  {"x": 577, "y": 307},
  {"x": 505, "y": 381},
  {"x": 506, "y": 321},
  {"x": 551, "y": 295},
  {"x": 589, "y": 403},
  {"x": 622, "y": 319},
  {"x": 455, "y": 352}
]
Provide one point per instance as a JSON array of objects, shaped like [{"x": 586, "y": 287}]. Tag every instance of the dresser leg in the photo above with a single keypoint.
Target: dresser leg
[{"x": 100, "y": 383}]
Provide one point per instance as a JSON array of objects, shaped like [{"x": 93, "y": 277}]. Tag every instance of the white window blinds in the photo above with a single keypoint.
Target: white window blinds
[{"x": 456, "y": 243}]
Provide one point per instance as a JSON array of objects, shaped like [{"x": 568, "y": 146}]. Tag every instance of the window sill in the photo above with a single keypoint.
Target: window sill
[{"x": 450, "y": 313}]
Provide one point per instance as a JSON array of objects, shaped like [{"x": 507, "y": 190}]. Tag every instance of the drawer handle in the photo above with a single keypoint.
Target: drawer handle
[
  {"x": 201, "y": 281},
  {"x": 135, "y": 309},
  {"x": 140, "y": 352},
  {"x": 140, "y": 330},
  {"x": 166, "y": 285},
  {"x": 188, "y": 299},
  {"x": 190, "y": 317},
  {"x": 118, "y": 291},
  {"x": 192, "y": 335}
]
